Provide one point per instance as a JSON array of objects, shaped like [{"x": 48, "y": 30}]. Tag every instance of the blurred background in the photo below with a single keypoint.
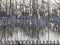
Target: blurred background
[{"x": 22, "y": 20}]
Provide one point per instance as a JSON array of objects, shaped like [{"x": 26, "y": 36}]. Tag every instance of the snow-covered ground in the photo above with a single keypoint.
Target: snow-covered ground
[{"x": 53, "y": 36}]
